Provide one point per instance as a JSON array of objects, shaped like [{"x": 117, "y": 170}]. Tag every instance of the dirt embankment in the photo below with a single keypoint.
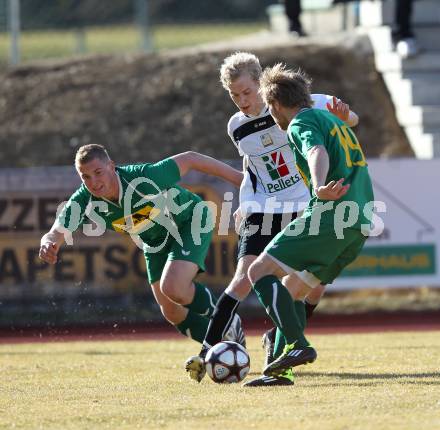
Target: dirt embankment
[{"x": 144, "y": 108}]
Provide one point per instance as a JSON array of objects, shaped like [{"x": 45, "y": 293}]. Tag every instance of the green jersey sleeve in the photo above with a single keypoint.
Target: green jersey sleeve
[
  {"x": 307, "y": 135},
  {"x": 164, "y": 173},
  {"x": 72, "y": 215}
]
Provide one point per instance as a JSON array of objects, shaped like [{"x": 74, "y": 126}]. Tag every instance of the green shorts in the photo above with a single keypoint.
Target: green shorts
[
  {"x": 188, "y": 251},
  {"x": 323, "y": 255}
]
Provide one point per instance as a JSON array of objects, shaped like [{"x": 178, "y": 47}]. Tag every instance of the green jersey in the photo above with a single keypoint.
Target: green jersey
[
  {"x": 312, "y": 127},
  {"x": 147, "y": 207}
]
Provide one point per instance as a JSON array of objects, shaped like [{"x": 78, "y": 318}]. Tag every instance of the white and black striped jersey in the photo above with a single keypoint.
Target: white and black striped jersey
[{"x": 271, "y": 166}]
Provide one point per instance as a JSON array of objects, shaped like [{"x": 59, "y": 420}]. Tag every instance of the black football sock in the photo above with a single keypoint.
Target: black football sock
[
  {"x": 220, "y": 320},
  {"x": 309, "y": 309}
]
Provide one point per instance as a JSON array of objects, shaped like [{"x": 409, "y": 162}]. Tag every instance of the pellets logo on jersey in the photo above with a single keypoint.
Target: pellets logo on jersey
[
  {"x": 279, "y": 173},
  {"x": 275, "y": 165},
  {"x": 266, "y": 140}
]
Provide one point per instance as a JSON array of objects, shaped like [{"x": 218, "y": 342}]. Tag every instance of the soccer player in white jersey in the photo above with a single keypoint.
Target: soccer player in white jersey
[{"x": 271, "y": 195}]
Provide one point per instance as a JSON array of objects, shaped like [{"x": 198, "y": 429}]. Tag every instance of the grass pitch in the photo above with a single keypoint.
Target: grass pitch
[
  {"x": 360, "y": 381},
  {"x": 122, "y": 39}
]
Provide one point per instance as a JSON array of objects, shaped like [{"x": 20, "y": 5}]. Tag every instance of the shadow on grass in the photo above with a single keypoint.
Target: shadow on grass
[
  {"x": 370, "y": 383},
  {"x": 373, "y": 379},
  {"x": 346, "y": 375}
]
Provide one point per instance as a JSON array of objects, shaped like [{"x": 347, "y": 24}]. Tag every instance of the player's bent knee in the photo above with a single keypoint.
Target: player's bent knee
[
  {"x": 299, "y": 295},
  {"x": 254, "y": 272},
  {"x": 240, "y": 286},
  {"x": 174, "y": 291},
  {"x": 259, "y": 268},
  {"x": 316, "y": 293}
]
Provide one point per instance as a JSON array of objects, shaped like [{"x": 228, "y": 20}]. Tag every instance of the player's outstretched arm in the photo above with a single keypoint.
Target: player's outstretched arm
[
  {"x": 191, "y": 160},
  {"x": 50, "y": 244},
  {"x": 318, "y": 161},
  {"x": 343, "y": 112}
]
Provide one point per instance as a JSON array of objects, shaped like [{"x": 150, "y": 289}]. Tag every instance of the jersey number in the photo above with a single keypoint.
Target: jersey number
[{"x": 346, "y": 141}]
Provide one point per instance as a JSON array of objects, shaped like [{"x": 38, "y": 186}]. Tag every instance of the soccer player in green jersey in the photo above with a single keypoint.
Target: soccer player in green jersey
[
  {"x": 314, "y": 248},
  {"x": 257, "y": 137},
  {"x": 172, "y": 225}
]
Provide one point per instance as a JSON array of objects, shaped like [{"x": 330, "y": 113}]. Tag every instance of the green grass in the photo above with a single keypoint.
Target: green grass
[
  {"x": 122, "y": 39},
  {"x": 364, "y": 381}
]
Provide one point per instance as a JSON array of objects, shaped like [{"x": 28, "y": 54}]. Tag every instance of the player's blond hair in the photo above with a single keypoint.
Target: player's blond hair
[
  {"x": 236, "y": 65},
  {"x": 288, "y": 87},
  {"x": 87, "y": 153}
]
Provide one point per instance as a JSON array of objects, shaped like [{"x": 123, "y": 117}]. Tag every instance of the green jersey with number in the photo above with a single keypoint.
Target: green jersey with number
[
  {"x": 312, "y": 127},
  {"x": 150, "y": 205}
]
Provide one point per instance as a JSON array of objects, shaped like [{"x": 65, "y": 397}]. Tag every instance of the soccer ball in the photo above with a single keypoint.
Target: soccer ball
[{"x": 227, "y": 362}]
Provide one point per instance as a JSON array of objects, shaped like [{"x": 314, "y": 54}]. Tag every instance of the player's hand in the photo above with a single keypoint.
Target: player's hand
[
  {"x": 339, "y": 109},
  {"x": 49, "y": 251},
  {"x": 334, "y": 190},
  {"x": 238, "y": 218}
]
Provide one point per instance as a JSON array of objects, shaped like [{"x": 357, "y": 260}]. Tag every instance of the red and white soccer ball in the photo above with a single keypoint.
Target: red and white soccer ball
[{"x": 227, "y": 362}]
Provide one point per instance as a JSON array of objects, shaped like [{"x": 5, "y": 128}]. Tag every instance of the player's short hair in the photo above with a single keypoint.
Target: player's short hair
[
  {"x": 87, "y": 153},
  {"x": 236, "y": 65},
  {"x": 288, "y": 87}
]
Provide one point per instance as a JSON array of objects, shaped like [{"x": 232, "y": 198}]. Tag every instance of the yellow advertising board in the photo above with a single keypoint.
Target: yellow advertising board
[{"x": 105, "y": 264}]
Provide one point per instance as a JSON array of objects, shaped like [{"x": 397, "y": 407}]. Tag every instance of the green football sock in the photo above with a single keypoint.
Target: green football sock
[
  {"x": 203, "y": 302},
  {"x": 280, "y": 343},
  {"x": 280, "y": 307},
  {"x": 280, "y": 340},
  {"x": 194, "y": 326}
]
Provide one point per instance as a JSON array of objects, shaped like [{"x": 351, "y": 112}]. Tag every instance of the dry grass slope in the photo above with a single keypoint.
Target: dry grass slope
[{"x": 146, "y": 107}]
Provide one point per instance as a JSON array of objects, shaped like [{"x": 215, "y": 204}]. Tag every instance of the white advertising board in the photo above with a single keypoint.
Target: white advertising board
[{"x": 407, "y": 251}]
